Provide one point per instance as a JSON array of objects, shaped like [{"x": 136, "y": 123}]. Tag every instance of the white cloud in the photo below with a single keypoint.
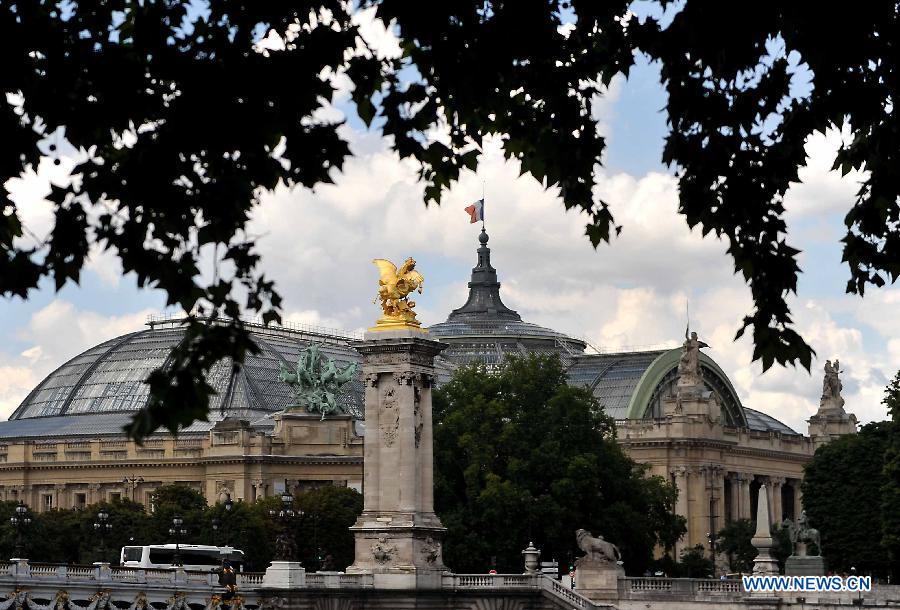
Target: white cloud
[
  {"x": 823, "y": 190},
  {"x": 56, "y": 333}
]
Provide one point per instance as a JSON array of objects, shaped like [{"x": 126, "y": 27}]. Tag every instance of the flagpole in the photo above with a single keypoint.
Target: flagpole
[{"x": 482, "y": 205}]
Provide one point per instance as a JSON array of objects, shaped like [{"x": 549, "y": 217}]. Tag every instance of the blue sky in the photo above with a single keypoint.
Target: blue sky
[{"x": 318, "y": 246}]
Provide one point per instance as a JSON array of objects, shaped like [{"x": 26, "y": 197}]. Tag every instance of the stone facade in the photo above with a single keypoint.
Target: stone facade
[{"x": 300, "y": 451}]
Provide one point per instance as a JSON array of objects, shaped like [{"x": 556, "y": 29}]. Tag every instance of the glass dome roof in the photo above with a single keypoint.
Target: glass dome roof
[{"x": 109, "y": 378}]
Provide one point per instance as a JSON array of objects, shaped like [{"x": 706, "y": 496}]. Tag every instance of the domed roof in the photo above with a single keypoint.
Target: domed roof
[
  {"x": 109, "y": 378},
  {"x": 486, "y": 329}
]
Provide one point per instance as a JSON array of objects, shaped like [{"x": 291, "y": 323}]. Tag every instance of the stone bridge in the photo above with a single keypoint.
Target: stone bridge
[{"x": 33, "y": 586}]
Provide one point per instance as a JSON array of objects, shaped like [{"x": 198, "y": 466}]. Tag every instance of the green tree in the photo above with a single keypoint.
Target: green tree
[
  {"x": 323, "y": 531},
  {"x": 245, "y": 527},
  {"x": 734, "y": 540},
  {"x": 890, "y": 490},
  {"x": 129, "y": 523},
  {"x": 185, "y": 91},
  {"x": 189, "y": 504},
  {"x": 520, "y": 441},
  {"x": 842, "y": 493},
  {"x": 694, "y": 563}
]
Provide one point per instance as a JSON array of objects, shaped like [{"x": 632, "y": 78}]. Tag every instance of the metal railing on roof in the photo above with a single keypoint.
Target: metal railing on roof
[{"x": 178, "y": 319}]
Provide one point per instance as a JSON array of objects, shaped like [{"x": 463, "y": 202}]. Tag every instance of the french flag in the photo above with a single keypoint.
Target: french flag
[{"x": 476, "y": 211}]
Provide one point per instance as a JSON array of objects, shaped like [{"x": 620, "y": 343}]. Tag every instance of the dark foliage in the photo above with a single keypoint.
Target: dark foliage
[
  {"x": 842, "y": 493},
  {"x": 734, "y": 540},
  {"x": 522, "y": 442},
  {"x": 179, "y": 121}
]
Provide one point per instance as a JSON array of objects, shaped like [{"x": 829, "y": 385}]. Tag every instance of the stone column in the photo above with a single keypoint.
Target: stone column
[
  {"x": 398, "y": 536},
  {"x": 798, "y": 499},
  {"x": 681, "y": 474},
  {"x": 777, "y": 512},
  {"x": 93, "y": 493},
  {"x": 746, "y": 502},
  {"x": 59, "y": 496}
]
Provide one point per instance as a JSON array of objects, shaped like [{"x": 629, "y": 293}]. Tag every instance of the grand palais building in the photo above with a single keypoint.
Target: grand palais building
[{"x": 63, "y": 447}]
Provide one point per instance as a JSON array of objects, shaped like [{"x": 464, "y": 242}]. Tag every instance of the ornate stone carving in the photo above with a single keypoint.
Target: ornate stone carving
[
  {"x": 390, "y": 416},
  {"x": 431, "y": 550},
  {"x": 404, "y": 378},
  {"x": 382, "y": 551},
  {"x": 831, "y": 388},
  {"x": 316, "y": 381},
  {"x": 372, "y": 380},
  {"x": 417, "y": 416},
  {"x": 394, "y": 287},
  {"x": 680, "y": 471},
  {"x": 801, "y": 533},
  {"x": 689, "y": 380},
  {"x": 597, "y": 550}
]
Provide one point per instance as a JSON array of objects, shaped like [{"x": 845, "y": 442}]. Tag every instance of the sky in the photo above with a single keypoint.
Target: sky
[{"x": 318, "y": 245}]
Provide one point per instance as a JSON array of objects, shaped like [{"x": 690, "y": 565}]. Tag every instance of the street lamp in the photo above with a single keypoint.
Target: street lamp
[
  {"x": 177, "y": 531},
  {"x": 133, "y": 482},
  {"x": 215, "y": 531},
  {"x": 102, "y": 527},
  {"x": 228, "y": 504},
  {"x": 285, "y": 547},
  {"x": 20, "y": 520}
]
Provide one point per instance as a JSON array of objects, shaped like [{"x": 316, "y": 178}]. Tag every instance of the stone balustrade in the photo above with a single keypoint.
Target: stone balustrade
[{"x": 121, "y": 585}]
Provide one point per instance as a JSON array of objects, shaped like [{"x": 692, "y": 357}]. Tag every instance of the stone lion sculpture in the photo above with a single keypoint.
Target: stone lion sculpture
[{"x": 597, "y": 549}]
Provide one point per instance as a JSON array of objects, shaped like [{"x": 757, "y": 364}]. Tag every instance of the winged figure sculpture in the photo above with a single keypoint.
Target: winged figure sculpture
[{"x": 394, "y": 287}]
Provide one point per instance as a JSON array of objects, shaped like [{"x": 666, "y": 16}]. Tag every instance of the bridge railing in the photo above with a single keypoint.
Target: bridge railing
[
  {"x": 650, "y": 587},
  {"x": 102, "y": 572}
]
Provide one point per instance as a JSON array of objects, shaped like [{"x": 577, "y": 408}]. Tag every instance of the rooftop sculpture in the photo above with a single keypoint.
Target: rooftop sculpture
[
  {"x": 394, "y": 287},
  {"x": 316, "y": 381}
]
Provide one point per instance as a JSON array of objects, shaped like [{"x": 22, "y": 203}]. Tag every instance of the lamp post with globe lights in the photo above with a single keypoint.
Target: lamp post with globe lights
[
  {"x": 285, "y": 546},
  {"x": 228, "y": 504},
  {"x": 102, "y": 526},
  {"x": 20, "y": 520},
  {"x": 132, "y": 482},
  {"x": 177, "y": 531}
]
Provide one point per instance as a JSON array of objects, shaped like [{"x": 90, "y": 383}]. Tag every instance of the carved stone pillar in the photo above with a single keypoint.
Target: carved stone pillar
[
  {"x": 93, "y": 493},
  {"x": 734, "y": 496},
  {"x": 59, "y": 496},
  {"x": 777, "y": 512},
  {"x": 398, "y": 536},
  {"x": 746, "y": 502},
  {"x": 681, "y": 475},
  {"x": 798, "y": 499}
]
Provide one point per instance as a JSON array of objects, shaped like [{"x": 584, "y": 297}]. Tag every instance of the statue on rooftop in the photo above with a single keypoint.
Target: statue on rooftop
[
  {"x": 689, "y": 363},
  {"x": 394, "y": 287},
  {"x": 316, "y": 381},
  {"x": 832, "y": 386}
]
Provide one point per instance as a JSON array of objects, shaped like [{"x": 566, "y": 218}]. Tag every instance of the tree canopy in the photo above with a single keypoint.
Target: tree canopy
[
  {"x": 180, "y": 119},
  {"x": 63, "y": 535},
  {"x": 842, "y": 494},
  {"x": 520, "y": 441}
]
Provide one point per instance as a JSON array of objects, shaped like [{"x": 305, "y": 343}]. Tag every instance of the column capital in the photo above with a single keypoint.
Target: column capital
[
  {"x": 680, "y": 471},
  {"x": 777, "y": 480}
]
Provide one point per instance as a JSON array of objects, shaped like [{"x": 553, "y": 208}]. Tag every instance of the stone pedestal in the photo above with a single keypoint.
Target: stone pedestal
[
  {"x": 284, "y": 575},
  {"x": 804, "y": 565},
  {"x": 598, "y": 580},
  {"x": 398, "y": 536}
]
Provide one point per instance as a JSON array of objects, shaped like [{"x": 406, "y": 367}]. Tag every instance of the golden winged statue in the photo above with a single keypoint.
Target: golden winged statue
[{"x": 394, "y": 288}]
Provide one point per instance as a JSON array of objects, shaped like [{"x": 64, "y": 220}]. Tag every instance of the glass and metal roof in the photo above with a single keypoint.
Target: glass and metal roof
[
  {"x": 612, "y": 378},
  {"x": 109, "y": 378}
]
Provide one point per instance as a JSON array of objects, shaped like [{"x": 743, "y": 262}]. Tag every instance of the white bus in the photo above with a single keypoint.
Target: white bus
[{"x": 198, "y": 557}]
